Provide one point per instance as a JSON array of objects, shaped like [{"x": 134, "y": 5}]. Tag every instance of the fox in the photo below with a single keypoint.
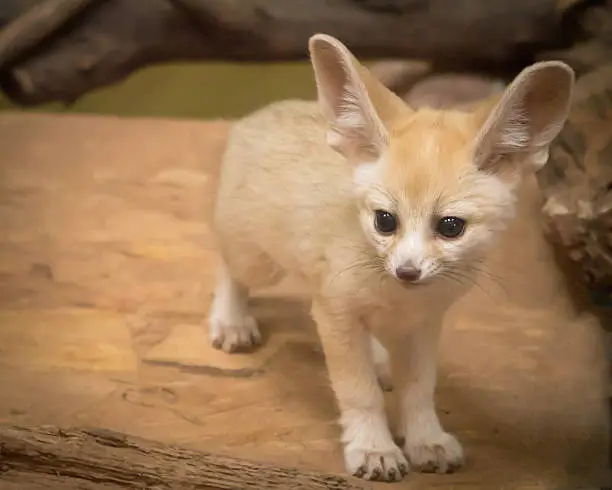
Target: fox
[{"x": 381, "y": 210}]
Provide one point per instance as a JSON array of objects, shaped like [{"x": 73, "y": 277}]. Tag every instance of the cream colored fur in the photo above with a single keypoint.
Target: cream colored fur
[{"x": 299, "y": 185}]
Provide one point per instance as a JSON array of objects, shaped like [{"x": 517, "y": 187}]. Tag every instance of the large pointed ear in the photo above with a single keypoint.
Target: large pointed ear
[
  {"x": 359, "y": 108},
  {"x": 526, "y": 119}
]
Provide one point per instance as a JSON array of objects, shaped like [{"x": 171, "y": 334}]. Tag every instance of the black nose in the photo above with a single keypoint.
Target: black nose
[{"x": 408, "y": 273}]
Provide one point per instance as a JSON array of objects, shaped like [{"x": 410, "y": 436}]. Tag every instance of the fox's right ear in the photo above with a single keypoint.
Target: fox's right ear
[
  {"x": 529, "y": 115},
  {"x": 348, "y": 95}
]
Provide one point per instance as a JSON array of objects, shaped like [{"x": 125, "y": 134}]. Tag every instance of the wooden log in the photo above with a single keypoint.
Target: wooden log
[
  {"x": 51, "y": 458},
  {"x": 108, "y": 42}
]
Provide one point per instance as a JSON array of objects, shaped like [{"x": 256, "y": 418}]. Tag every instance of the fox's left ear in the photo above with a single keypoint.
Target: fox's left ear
[
  {"x": 358, "y": 107},
  {"x": 527, "y": 118}
]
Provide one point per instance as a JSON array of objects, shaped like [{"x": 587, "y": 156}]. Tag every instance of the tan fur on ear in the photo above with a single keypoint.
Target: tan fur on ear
[
  {"x": 359, "y": 108},
  {"x": 526, "y": 118}
]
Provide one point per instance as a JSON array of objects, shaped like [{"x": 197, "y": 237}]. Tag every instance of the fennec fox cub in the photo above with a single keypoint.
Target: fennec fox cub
[{"x": 387, "y": 214}]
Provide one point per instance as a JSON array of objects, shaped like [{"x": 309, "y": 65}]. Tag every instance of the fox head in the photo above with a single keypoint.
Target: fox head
[{"x": 433, "y": 188}]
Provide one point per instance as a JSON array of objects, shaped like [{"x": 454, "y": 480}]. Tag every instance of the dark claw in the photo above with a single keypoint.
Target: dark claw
[
  {"x": 449, "y": 468},
  {"x": 454, "y": 467},
  {"x": 360, "y": 472},
  {"x": 375, "y": 474},
  {"x": 392, "y": 474},
  {"x": 429, "y": 467},
  {"x": 403, "y": 469}
]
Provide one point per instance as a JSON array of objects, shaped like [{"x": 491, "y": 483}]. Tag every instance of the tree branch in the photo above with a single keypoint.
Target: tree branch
[
  {"x": 109, "y": 41},
  {"x": 35, "y": 25}
]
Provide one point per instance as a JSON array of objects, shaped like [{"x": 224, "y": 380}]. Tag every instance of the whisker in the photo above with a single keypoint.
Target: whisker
[
  {"x": 463, "y": 278},
  {"x": 473, "y": 273},
  {"x": 370, "y": 265},
  {"x": 483, "y": 271}
]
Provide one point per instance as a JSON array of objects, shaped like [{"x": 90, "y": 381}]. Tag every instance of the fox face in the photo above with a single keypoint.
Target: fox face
[
  {"x": 425, "y": 206},
  {"x": 434, "y": 188}
]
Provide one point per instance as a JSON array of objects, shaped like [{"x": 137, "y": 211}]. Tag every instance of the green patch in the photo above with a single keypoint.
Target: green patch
[{"x": 194, "y": 90}]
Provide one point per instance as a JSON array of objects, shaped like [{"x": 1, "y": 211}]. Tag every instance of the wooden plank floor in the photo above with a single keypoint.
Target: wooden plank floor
[{"x": 106, "y": 271}]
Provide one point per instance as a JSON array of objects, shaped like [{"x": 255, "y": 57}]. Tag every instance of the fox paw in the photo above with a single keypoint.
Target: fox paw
[
  {"x": 239, "y": 334},
  {"x": 441, "y": 453}
]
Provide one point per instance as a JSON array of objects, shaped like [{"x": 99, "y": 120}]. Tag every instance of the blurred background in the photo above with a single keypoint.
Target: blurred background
[
  {"x": 192, "y": 90},
  {"x": 216, "y": 59}
]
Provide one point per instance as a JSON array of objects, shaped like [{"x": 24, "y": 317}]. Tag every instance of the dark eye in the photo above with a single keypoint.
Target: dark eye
[
  {"x": 450, "y": 227},
  {"x": 385, "y": 222}
]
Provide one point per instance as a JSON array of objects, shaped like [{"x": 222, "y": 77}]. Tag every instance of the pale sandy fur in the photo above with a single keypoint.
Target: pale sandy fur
[
  {"x": 289, "y": 203},
  {"x": 296, "y": 208},
  {"x": 296, "y": 212}
]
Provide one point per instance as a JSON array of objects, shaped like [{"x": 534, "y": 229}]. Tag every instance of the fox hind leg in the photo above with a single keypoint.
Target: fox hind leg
[{"x": 231, "y": 326}]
